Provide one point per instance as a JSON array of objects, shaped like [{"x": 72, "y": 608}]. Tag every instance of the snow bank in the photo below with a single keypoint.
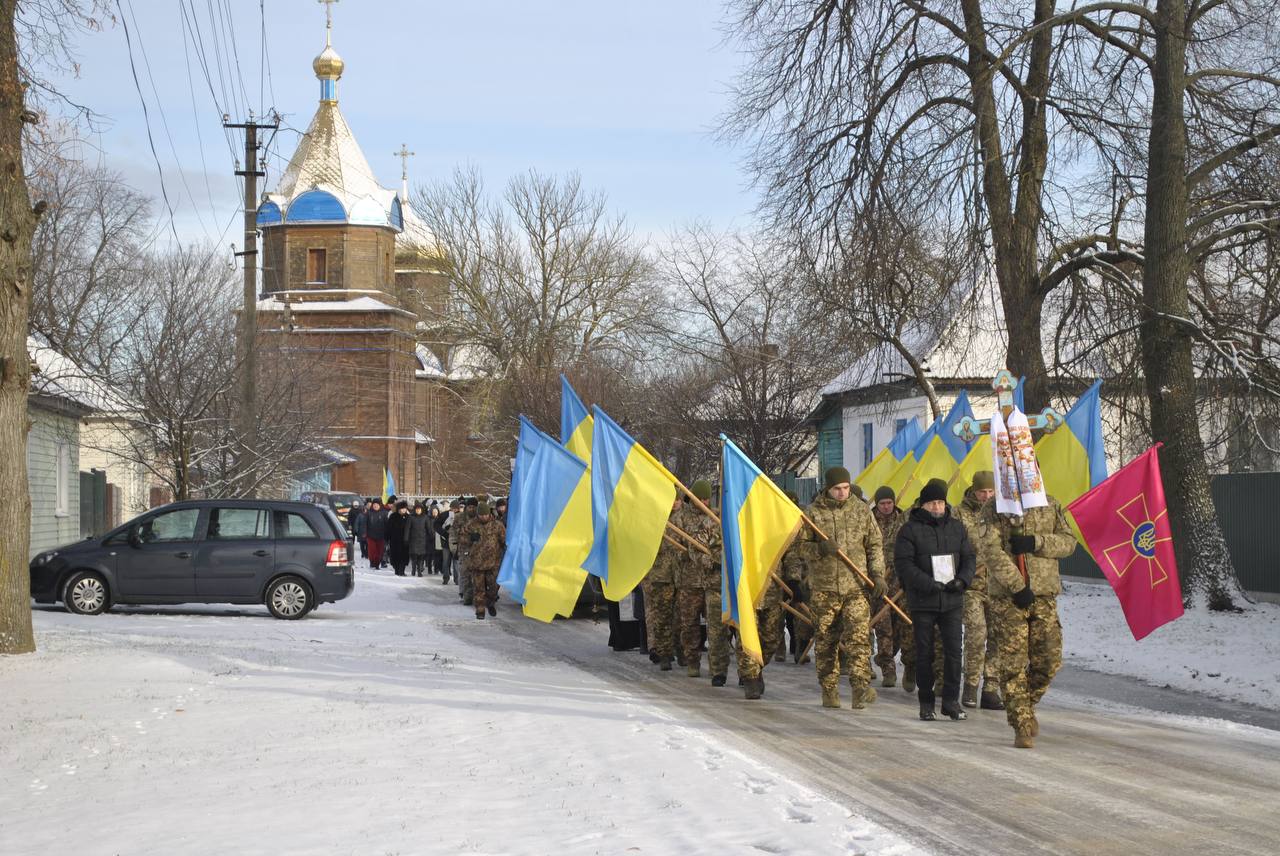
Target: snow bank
[
  {"x": 392, "y": 722},
  {"x": 1228, "y": 655}
]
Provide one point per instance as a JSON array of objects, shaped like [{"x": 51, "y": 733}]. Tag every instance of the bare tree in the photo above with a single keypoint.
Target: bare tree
[
  {"x": 746, "y": 352},
  {"x": 542, "y": 281}
]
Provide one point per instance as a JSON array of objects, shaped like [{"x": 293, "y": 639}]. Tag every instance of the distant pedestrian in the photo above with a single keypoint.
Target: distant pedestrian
[
  {"x": 435, "y": 555},
  {"x": 935, "y": 563},
  {"x": 376, "y": 533},
  {"x": 488, "y": 539},
  {"x": 353, "y": 513},
  {"x": 361, "y": 529},
  {"x": 420, "y": 536},
  {"x": 398, "y": 538},
  {"x": 501, "y": 509}
]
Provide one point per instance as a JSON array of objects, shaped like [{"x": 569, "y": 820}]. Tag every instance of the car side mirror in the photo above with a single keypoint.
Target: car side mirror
[{"x": 135, "y": 536}]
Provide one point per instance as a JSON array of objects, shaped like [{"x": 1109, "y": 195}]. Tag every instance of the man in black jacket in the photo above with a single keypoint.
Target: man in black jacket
[{"x": 935, "y": 564}]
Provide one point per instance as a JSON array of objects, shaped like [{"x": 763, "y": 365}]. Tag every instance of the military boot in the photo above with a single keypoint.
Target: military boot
[
  {"x": 863, "y": 694},
  {"x": 954, "y": 712},
  {"x": 830, "y": 697},
  {"x": 754, "y": 688},
  {"x": 664, "y": 664},
  {"x": 719, "y": 680},
  {"x": 692, "y": 670},
  {"x": 969, "y": 698},
  {"x": 1023, "y": 739},
  {"x": 908, "y": 682},
  {"x": 890, "y": 679},
  {"x": 990, "y": 697}
]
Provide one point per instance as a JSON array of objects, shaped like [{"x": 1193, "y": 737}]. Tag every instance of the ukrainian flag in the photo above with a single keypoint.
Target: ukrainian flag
[
  {"x": 559, "y": 523},
  {"x": 1072, "y": 458},
  {"x": 388, "y": 484},
  {"x": 575, "y": 422},
  {"x": 979, "y": 458},
  {"x": 631, "y": 498},
  {"x": 879, "y": 470},
  {"x": 517, "y": 562},
  {"x": 902, "y": 473},
  {"x": 943, "y": 453},
  {"x": 758, "y": 523}
]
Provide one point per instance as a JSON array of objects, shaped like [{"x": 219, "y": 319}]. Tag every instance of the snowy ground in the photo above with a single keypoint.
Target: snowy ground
[
  {"x": 1228, "y": 655},
  {"x": 392, "y": 722}
]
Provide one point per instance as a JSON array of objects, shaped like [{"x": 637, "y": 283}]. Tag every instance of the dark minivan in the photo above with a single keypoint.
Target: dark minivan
[{"x": 290, "y": 556}]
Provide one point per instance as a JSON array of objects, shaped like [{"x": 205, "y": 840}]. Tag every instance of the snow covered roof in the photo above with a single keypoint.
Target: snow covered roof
[
  {"x": 464, "y": 363},
  {"x": 60, "y": 377},
  {"x": 357, "y": 304}
]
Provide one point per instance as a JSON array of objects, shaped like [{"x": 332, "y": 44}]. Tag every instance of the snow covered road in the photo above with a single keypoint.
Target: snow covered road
[{"x": 394, "y": 722}]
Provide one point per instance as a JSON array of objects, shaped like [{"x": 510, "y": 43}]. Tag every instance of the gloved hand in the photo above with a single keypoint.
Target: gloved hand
[
  {"x": 1019, "y": 544},
  {"x": 828, "y": 548},
  {"x": 475, "y": 537},
  {"x": 877, "y": 588},
  {"x": 1024, "y": 598},
  {"x": 936, "y": 587},
  {"x": 956, "y": 586}
]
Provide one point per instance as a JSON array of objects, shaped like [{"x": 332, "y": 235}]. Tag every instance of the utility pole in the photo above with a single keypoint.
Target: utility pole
[{"x": 246, "y": 419}]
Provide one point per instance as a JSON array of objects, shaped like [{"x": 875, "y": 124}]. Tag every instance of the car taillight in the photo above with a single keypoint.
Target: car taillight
[{"x": 337, "y": 554}]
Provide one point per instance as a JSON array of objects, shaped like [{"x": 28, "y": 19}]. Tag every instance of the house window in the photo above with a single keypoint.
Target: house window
[
  {"x": 63, "y": 480},
  {"x": 868, "y": 443},
  {"x": 317, "y": 270},
  {"x": 898, "y": 425}
]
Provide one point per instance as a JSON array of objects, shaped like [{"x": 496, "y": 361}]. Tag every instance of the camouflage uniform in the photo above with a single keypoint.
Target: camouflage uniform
[
  {"x": 484, "y": 560},
  {"x": 466, "y": 584},
  {"x": 893, "y": 634},
  {"x": 980, "y": 660},
  {"x": 660, "y": 599},
  {"x": 839, "y": 598},
  {"x": 795, "y": 575},
  {"x": 769, "y": 625},
  {"x": 697, "y": 580},
  {"x": 1029, "y": 641}
]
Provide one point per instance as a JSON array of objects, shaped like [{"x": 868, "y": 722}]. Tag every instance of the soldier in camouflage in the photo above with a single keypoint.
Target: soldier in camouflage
[
  {"x": 1024, "y": 610},
  {"x": 980, "y": 660},
  {"x": 466, "y": 582},
  {"x": 769, "y": 626},
  {"x": 893, "y": 634},
  {"x": 660, "y": 598},
  {"x": 840, "y": 601},
  {"x": 488, "y": 539},
  {"x": 697, "y": 580},
  {"x": 794, "y": 575}
]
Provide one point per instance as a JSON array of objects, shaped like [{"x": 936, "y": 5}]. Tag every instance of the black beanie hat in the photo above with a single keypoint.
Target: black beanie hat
[
  {"x": 936, "y": 489},
  {"x": 835, "y": 476},
  {"x": 884, "y": 492}
]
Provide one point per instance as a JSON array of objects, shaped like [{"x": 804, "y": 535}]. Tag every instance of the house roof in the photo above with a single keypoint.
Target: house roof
[{"x": 59, "y": 377}]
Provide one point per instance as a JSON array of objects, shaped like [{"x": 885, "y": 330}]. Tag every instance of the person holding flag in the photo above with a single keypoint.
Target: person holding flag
[
  {"x": 1021, "y": 556},
  {"x": 660, "y": 597},
  {"x": 839, "y": 601},
  {"x": 697, "y": 579},
  {"x": 892, "y": 633}
]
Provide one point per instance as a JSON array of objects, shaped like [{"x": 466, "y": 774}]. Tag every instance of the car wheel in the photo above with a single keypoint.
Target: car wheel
[
  {"x": 85, "y": 594},
  {"x": 289, "y": 598}
]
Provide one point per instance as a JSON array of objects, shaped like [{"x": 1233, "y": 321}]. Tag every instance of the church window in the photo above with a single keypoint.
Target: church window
[{"x": 316, "y": 267}]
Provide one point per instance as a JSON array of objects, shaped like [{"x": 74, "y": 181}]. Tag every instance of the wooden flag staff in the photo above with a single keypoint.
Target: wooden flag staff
[
  {"x": 806, "y": 616},
  {"x": 702, "y": 506}
]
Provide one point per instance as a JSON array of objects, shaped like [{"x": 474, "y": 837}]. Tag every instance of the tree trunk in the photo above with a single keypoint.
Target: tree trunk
[
  {"x": 1203, "y": 560},
  {"x": 17, "y": 224}
]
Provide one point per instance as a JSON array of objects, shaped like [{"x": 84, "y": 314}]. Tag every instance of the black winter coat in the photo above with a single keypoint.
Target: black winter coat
[
  {"x": 921, "y": 538},
  {"x": 376, "y": 525},
  {"x": 398, "y": 539},
  {"x": 422, "y": 538}
]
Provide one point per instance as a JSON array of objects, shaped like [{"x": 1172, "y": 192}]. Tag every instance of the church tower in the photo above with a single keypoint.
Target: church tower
[{"x": 331, "y": 302}]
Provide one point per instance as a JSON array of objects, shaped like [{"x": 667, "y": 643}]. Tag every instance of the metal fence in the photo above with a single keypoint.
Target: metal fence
[{"x": 1247, "y": 509}]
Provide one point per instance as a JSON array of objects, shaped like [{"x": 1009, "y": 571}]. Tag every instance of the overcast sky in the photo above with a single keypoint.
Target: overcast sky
[{"x": 626, "y": 93}]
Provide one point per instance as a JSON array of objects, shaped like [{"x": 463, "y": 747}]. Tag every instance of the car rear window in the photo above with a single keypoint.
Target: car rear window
[{"x": 290, "y": 525}]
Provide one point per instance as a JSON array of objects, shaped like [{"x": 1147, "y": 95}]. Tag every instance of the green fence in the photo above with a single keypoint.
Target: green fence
[{"x": 1247, "y": 510}]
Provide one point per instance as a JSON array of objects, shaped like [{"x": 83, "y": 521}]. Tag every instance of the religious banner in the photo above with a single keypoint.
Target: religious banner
[{"x": 1019, "y": 485}]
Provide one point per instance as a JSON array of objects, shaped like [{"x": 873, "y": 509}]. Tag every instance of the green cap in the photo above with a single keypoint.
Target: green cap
[
  {"x": 701, "y": 489},
  {"x": 835, "y": 476}
]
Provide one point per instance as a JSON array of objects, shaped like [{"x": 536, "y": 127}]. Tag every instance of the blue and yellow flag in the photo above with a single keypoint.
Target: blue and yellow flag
[
  {"x": 906, "y": 466},
  {"x": 978, "y": 459},
  {"x": 879, "y": 470},
  {"x": 575, "y": 421},
  {"x": 388, "y": 484},
  {"x": 943, "y": 453},
  {"x": 558, "y": 517},
  {"x": 517, "y": 562},
  {"x": 1072, "y": 458},
  {"x": 631, "y": 499},
  {"x": 758, "y": 523}
]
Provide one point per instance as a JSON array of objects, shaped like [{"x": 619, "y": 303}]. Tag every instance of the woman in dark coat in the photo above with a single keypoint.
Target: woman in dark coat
[
  {"x": 421, "y": 537},
  {"x": 398, "y": 538},
  {"x": 935, "y": 563}
]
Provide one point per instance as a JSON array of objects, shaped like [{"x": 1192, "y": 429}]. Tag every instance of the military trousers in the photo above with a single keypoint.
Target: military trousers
[
  {"x": 484, "y": 583},
  {"x": 466, "y": 583},
  {"x": 841, "y": 627},
  {"x": 1029, "y": 650},
  {"x": 980, "y": 660},
  {"x": 660, "y": 617},
  {"x": 769, "y": 626},
  {"x": 690, "y": 602}
]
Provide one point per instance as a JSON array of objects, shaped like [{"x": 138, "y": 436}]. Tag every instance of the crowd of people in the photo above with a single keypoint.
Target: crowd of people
[
  {"x": 980, "y": 589},
  {"x": 463, "y": 541}
]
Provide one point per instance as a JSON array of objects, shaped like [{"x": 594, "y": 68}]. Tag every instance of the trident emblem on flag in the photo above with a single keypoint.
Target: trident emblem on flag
[{"x": 1144, "y": 536}]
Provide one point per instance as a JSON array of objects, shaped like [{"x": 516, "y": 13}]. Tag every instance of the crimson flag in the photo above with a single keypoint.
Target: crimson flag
[{"x": 1125, "y": 524}]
